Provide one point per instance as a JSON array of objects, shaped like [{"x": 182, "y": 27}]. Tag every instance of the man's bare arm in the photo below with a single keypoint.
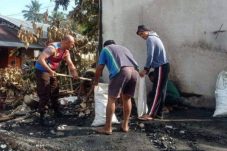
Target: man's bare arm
[
  {"x": 71, "y": 67},
  {"x": 98, "y": 73},
  {"x": 47, "y": 52}
]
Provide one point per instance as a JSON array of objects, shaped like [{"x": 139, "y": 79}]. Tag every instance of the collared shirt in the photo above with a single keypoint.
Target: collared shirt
[{"x": 115, "y": 57}]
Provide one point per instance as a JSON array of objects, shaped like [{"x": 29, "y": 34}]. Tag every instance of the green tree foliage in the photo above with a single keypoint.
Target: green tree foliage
[
  {"x": 63, "y": 3},
  {"x": 57, "y": 17},
  {"x": 32, "y": 12},
  {"x": 85, "y": 16}
]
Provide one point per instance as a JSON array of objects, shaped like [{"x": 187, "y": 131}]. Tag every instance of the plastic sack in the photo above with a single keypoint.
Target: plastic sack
[
  {"x": 140, "y": 96},
  {"x": 67, "y": 100},
  {"x": 221, "y": 95},
  {"x": 221, "y": 83},
  {"x": 101, "y": 99}
]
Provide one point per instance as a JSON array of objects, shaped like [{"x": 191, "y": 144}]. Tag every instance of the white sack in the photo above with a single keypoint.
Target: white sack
[
  {"x": 66, "y": 100},
  {"x": 140, "y": 96},
  {"x": 101, "y": 99},
  {"x": 221, "y": 95}
]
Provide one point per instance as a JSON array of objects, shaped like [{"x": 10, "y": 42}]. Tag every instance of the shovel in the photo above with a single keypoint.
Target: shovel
[{"x": 69, "y": 76}]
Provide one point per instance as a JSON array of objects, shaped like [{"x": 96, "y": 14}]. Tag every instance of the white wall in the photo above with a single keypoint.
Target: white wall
[{"x": 186, "y": 28}]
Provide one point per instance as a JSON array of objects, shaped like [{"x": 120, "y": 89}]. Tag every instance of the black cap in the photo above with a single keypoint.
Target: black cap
[
  {"x": 109, "y": 42},
  {"x": 142, "y": 28}
]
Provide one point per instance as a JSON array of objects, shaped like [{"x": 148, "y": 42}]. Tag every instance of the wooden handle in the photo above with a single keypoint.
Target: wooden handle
[
  {"x": 63, "y": 75},
  {"x": 69, "y": 76}
]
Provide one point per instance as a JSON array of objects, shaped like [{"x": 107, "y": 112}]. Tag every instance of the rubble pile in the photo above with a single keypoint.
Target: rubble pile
[
  {"x": 13, "y": 87},
  {"x": 86, "y": 108},
  {"x": 79, "y": 107}
]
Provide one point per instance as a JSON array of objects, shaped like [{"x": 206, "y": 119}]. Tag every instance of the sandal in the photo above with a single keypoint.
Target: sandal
[
  {"x": 145, "y": 118},
  {"x": 102, "y": 131}
]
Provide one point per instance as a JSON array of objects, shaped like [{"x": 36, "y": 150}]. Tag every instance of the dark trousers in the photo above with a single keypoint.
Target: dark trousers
[
  {"x": 156, "y": 102},
  {"x": 47, "y": 89}
]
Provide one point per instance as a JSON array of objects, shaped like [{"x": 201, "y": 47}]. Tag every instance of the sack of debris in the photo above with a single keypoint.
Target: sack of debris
[
  {"x": 101, "y": 99},
  {"x": 221, "y": 95},
  {"x": 140, "y": 96}
]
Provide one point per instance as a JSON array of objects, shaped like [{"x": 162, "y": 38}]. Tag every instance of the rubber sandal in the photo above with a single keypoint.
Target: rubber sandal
[
  {"x": 145, "y": 118},
  {"x": 102, "y": 131}
]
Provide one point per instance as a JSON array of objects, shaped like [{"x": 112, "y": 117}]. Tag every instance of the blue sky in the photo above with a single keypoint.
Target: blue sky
[{"x": 13, "y": 8}]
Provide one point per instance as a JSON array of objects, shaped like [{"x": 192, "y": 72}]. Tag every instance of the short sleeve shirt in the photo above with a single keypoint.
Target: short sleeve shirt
[{"x": 106, "y": 58}]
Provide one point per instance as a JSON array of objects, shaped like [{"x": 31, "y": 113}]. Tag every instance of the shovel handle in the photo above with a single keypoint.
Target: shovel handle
[
  {"x": 63, "y": 75},
  {"x": 69, "y": 76}
]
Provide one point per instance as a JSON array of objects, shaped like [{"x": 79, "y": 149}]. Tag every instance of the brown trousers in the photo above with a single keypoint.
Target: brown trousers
[{"x": 47, "y": 89}]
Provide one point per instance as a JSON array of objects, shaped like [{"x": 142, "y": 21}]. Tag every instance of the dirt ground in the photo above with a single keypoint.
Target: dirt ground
[{"x": 182, "y": 129}]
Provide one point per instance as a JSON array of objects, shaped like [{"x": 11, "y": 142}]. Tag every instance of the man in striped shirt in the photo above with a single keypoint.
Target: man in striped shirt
[
  {"x": 123, "y": 76},
  {"x": 156, "y": 59}
]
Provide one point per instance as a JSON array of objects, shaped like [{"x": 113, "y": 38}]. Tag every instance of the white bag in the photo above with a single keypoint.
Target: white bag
[
  {"x": 101, "y": 99},
  {"x": 140, "y": 96},
  {"x": 221, "y": 95}
]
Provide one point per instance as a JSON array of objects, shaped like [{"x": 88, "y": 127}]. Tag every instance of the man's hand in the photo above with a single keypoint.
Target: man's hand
[
  {"x": 74, "y": 74},
  {"x": 95, "y": 83},
  {"x": 142, "y": 73},
  {"x": 98, "y": 73},
  {"x": 52, "y": 73}
]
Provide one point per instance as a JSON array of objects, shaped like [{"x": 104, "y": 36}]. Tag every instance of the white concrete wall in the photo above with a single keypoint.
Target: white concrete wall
[{"x": 186, "y": 28}]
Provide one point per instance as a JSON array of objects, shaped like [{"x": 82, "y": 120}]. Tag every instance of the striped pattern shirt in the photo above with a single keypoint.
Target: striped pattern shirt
[{"x": 115, "y": 57}]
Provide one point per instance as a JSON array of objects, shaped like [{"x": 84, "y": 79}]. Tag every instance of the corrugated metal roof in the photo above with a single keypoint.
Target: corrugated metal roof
[
  {"x": 18, "y": 44},
  {"x": 8, "y": 38},
  {"x": 26, "y": 24},
  {"x": 8, "y": 32}
]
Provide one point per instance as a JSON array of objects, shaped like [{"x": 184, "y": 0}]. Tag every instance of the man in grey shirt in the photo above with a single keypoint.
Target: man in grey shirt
[
  {"x": 123, "y": 76},
  {"x": 156, "y": 59}
]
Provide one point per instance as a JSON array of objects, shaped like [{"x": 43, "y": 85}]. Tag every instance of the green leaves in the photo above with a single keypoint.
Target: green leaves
[{"x": 32, "y": 13}]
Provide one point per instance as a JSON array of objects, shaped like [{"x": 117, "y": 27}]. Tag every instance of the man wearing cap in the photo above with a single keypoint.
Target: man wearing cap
[
  {"x": 123, "y": 76},
  {"x": 156, "y": 59},
  {"x": 46, "y": 66}
]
